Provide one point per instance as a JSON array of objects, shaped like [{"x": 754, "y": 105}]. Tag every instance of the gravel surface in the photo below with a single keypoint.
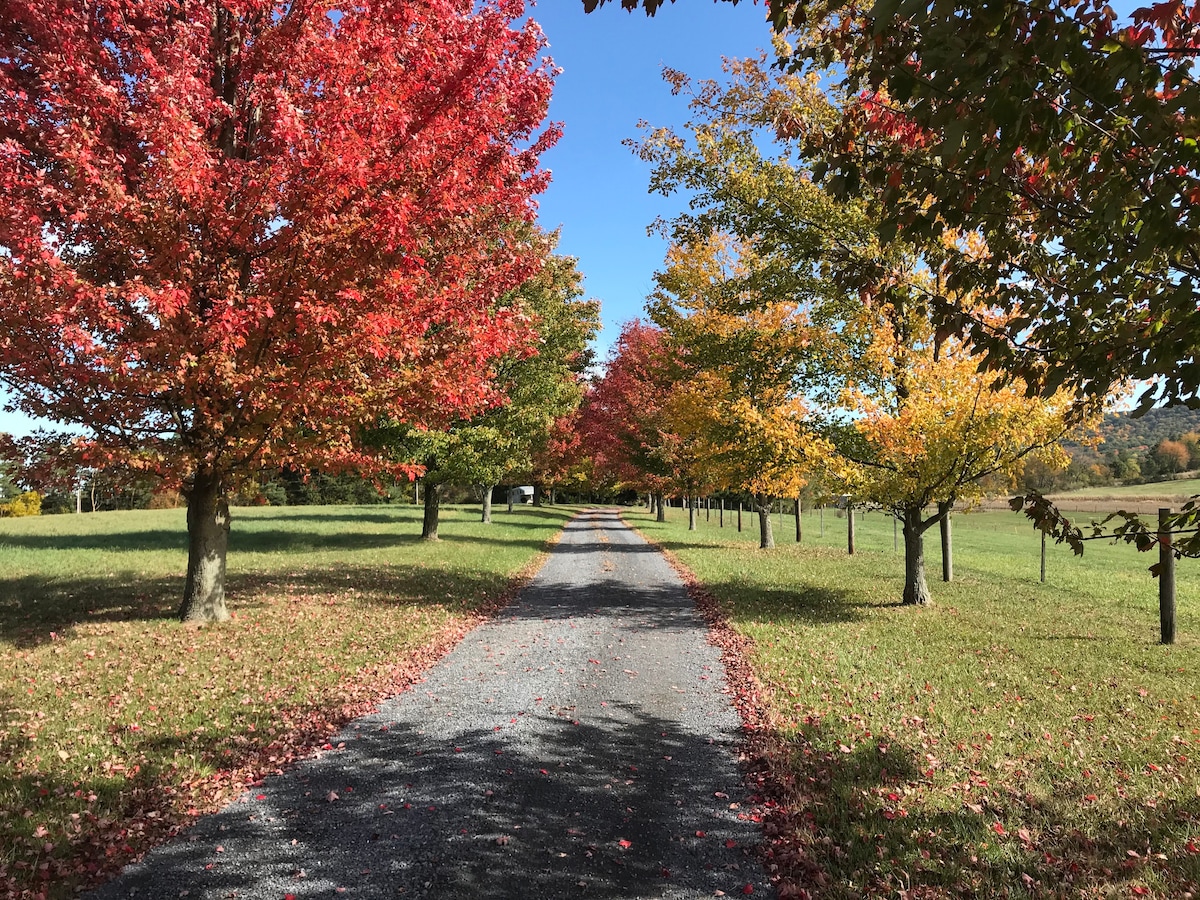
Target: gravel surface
[{"x": 578, "y": 745}]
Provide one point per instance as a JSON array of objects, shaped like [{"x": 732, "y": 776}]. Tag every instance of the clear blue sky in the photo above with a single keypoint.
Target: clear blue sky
[{"x": 612, "y": 63}]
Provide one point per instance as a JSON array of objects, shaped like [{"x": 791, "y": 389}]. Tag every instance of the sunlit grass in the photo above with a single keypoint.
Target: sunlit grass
[
  {"x": 118, "y": 722},
  {"x": 1184, "y": 487},
  {"x": 1015, "y": 739}
]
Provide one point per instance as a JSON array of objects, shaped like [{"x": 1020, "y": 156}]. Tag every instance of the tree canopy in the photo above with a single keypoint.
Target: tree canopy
[
  {"x": 821, "y": 323},
  {"x": 537, "y": 385},
  {"x": 1063, "y": 137},
  {"x": 233, "y": 232}
]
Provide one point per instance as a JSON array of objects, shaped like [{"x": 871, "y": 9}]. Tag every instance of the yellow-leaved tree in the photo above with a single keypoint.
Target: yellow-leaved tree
[
  {"x": 737, "y": 410},
  {"x": 925, "y": 428}
]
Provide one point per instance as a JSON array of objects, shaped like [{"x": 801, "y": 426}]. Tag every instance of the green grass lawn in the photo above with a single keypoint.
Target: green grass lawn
[
  {"x": 1015, "y": 739},
  {"x": 1185, "y": 487},
  {"x": 119, "y": 723}
]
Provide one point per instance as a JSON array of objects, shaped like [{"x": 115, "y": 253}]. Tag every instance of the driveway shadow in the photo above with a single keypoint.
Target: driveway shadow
[{"x": 582, "y": 811}]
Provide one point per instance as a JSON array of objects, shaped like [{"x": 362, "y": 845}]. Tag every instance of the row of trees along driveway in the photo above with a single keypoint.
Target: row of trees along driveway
[{"x": 1040, "y": 159}]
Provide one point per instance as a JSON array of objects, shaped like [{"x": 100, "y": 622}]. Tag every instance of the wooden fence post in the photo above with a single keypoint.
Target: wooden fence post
[
  {"x": 799, "y": 533},
  {"x": 849, "y": 527},
  {"x": 947, "y": 545},
  {"x": 822, "y": 518},
  {"x": 739, "y": 516},
  {"x": 1166, "y": 578},
  {"x": 721, "y": 519},
  {"x": 1043, "y": 557}
]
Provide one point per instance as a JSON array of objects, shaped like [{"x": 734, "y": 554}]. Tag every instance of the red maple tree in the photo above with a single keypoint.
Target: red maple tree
[
  {"x": 622, "y": 416},
  {"x": 232, "y": 230}
]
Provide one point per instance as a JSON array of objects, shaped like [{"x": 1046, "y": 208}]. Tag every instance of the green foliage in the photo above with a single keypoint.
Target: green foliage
[
  {"x": 294, "y": 487},
  {"x": 533, "y": 389},
  {"x": 1122, "y": 431},
  {"x": 1059, "y": 136},
  {"x": 542, "y": 388},
  {"x": 792, "y": 234},
  {"x": 8, "y": 487}
]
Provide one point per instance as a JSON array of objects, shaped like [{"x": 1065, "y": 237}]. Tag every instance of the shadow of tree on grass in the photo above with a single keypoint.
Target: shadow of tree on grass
[{"x": 858, "y": 827}]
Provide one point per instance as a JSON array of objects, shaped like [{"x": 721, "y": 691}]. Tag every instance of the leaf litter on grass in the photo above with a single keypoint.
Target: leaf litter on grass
[
  {"x": 119, "y": 733},
  {"x": 972, "y": 749}
]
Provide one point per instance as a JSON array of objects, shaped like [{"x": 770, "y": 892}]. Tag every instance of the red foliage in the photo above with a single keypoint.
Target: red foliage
[
  {"x": 561, "y": 451},
  {"x": 234, "y": 231},
  {"x": 622, "y": 413}
]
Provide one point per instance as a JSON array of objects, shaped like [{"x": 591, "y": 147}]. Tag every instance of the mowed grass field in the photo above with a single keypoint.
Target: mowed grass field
[
  {"x": 1015, "y": 739},
  {"x": 117, "y": 724},
  {"x": 1184, "y": 487}
]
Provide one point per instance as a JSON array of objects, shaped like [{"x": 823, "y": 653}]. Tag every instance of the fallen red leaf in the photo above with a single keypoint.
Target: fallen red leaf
[{"x": 625, "y": 845}]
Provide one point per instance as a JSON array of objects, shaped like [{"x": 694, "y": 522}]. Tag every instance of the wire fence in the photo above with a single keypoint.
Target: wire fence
[{"x": 877, "y": 528}]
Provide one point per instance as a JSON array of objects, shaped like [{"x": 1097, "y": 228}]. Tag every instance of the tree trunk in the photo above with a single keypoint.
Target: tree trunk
[
  {"x": 691, "y": 505},
  {"x": 486, "y": 518},
  {"x": 433, "y": 501},
  {"x": 661, "y": 515},
  {"x": 916, "y": 591},
  {"x": 416, "y": 492},
  {"x": 208, "y": 543},
  {"x": 551, "y": 496},
  {"x": 537, "y": 495},
  {"x": 511, "y": 498},
  {"x": 947, "y": 541},
  {"x": 766, "y": 537}
]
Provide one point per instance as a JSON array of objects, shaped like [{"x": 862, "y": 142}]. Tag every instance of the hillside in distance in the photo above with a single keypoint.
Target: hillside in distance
[{"x": 1122, "y": 431}]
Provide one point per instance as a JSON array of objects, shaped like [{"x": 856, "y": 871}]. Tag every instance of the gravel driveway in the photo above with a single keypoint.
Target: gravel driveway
[{"x": 578, "y": 745}]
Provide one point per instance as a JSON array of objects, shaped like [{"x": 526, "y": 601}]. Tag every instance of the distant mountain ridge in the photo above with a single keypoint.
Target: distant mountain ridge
[{"x": 1121, "y": 431}]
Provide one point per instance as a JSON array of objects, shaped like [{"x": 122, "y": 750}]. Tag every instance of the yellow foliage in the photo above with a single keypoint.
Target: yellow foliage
[
  {"x": 735, "y": 415},
  {"x": 932, "y": 426},
  {"x": 739, "y": 443},
  {"x": 26, "y": 504}
]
